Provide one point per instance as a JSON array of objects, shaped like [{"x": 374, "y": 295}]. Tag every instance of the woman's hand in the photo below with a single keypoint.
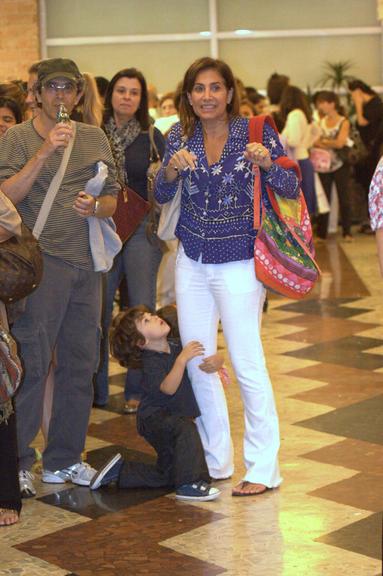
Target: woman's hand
[
  {"x": 181, "y": 160},
  {"x": 357, "y": 97},
  {"x": 212, "y": 363},
  {"x": 258, "y": 155}
]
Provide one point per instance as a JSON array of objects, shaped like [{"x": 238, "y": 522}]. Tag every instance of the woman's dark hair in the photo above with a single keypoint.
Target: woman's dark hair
[
  {"x": 102, "y": 85},
  {"x": 360, "y": 85},
  {"x": 12, "y": 91},
  {"x": 187, "y": 116},
  {"x": 250, "y": 92},
  {"x": 126, "y": 341},
  {"x": 293, "y": 98},
  {"x": 14, "y": 107},
  {"x": 329, "y": 96},
  {"x": 142, "y": 113},
  {"x": 275, "y": 87},
  {"x": 177, "y": 96}
]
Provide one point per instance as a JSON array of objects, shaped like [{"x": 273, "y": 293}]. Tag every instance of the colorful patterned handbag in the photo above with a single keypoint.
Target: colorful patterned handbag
[{"x": 283, "y": 250}]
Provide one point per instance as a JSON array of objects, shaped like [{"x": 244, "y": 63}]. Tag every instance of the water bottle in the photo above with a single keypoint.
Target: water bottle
[{"x": 62, "y": 115}]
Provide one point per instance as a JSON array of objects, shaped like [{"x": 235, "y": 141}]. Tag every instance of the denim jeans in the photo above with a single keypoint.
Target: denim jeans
[
  {"x": 63, "y": 313},
  {"x": 138, "y": 262}
]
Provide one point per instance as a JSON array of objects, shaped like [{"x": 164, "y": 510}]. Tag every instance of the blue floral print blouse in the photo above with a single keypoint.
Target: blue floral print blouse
[{"x": 217, "y": 212}]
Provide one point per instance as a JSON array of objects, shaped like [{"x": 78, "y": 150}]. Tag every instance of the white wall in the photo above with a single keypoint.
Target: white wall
[{"x": 253, "y": 59}]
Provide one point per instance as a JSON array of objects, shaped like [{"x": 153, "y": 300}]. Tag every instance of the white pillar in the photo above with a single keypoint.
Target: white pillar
[
  {"x": 213, "y": 28},
  {"x": 43, "y": 28}
]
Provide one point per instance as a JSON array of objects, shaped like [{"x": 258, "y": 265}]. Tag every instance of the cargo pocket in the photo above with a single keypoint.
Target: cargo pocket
[{"x": 34, "y": 351}]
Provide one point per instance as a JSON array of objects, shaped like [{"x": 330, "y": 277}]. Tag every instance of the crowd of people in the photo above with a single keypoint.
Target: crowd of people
[{"x": 65, "y": 328}]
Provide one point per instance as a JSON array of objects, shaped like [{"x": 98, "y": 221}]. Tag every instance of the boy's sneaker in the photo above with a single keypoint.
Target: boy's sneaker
[
  {"x": 108, "y": 473},
  {"x": 27, "y": 490},
  {"x": 80, "y": 473},
  {"x": 198, "y": 491}
]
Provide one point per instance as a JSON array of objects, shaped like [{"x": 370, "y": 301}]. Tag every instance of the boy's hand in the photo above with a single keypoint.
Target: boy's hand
[
  {"x": 212, "y": 363},
  {"x": 191, "y": 350}
]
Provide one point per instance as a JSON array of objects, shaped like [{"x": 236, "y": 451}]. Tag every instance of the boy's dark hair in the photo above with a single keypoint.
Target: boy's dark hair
[
  {"x": 125, "y": 340},
  {"x": 169, "y": 315}
]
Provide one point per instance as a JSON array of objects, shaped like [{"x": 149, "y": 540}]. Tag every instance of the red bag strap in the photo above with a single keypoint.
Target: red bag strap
[{"x": 256, "y": 124}]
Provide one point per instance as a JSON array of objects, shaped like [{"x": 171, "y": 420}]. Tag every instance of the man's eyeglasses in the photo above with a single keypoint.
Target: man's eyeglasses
[{"x": 66, "y": 87}]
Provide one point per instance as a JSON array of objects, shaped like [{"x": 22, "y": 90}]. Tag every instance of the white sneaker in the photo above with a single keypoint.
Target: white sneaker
[
  {"x": 27, "y": 489},
  {"x": 80, "y": 473}
]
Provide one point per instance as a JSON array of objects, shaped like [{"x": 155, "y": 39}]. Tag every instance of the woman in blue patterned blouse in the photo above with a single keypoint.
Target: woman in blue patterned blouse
[{"x": 209, "y": 153}]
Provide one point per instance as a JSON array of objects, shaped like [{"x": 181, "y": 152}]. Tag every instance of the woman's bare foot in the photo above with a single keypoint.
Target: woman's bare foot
[
  {"x": 8, "y": 517},
  {"x": 245, "y": 488}
]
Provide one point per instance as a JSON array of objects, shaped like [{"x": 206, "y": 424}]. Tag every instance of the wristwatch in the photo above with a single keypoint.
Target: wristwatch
[{"x": 96, "y": 206}]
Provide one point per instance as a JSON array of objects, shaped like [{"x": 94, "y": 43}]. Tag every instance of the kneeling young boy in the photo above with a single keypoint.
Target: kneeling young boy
[{"x": 166, "y": 413}]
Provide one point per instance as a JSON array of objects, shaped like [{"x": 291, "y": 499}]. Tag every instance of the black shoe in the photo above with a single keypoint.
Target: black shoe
[
  {"x": 108, "y": 473},
  {"x": 365, "y": 229}
]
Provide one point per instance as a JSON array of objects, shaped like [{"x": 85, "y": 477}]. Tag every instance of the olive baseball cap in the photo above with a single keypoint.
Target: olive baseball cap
[{"x": 57, "y": 68}]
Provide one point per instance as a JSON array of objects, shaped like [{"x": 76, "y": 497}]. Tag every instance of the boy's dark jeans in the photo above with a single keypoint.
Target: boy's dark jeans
[{"x": 181, "y": 458}]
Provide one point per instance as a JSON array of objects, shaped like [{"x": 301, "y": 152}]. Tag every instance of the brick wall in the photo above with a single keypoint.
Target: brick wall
[{"x": 19, "y": 38}]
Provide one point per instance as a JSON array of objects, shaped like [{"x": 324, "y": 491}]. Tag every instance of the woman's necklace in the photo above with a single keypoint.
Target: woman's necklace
[{"x": 214, "y": 143}]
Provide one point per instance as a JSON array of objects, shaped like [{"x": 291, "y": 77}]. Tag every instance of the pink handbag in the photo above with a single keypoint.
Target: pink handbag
[{"x": 320, "y": 159}]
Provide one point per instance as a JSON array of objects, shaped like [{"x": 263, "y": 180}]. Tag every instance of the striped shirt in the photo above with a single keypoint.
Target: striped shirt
[{"x": 65, "y": 234}]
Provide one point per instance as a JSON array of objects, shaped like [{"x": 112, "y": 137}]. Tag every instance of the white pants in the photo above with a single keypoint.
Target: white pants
[{"x": 229, "y": 292}]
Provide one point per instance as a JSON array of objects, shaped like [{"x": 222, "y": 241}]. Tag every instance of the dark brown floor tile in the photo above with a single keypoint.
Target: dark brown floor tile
[
  {"x": 115, "y": 403},
  {"x": 97, "y": 503},
  {"x": 324, "y": 308},
  {"x": 360, "y": 491},
  {"x": 121, "y": 431},
  {"x": 348, "y": 351},
  {"x": 353, "y": 454},
  {"x": 363, "y": 537},
  {"x": 324, "y": 329},
  {"x": 127, "y": 542},
  {"x": 341, "y": 394},
  {"x": 340, "y": 374},
  {"x": 362, "y": 421},
  {"x": 339, "y": 279}
]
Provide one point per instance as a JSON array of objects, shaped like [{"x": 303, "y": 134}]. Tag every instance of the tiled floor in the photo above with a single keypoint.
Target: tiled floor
[{"x": 325, "y": 356}]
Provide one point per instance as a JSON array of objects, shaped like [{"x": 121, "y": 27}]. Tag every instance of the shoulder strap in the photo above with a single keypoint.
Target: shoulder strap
[
  {"x": 256, "y": 124},
  {"x": 53, "y": 188},
  {"x": 153, "y": 145},
  {"x": 3, "y": 316}
]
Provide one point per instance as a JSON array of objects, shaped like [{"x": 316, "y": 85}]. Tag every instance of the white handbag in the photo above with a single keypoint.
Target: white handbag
[{"x": 170, "y": 213}]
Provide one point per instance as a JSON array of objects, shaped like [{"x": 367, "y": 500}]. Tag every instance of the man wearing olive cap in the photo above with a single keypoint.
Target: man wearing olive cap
[{"x": 64, "y": 311}]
